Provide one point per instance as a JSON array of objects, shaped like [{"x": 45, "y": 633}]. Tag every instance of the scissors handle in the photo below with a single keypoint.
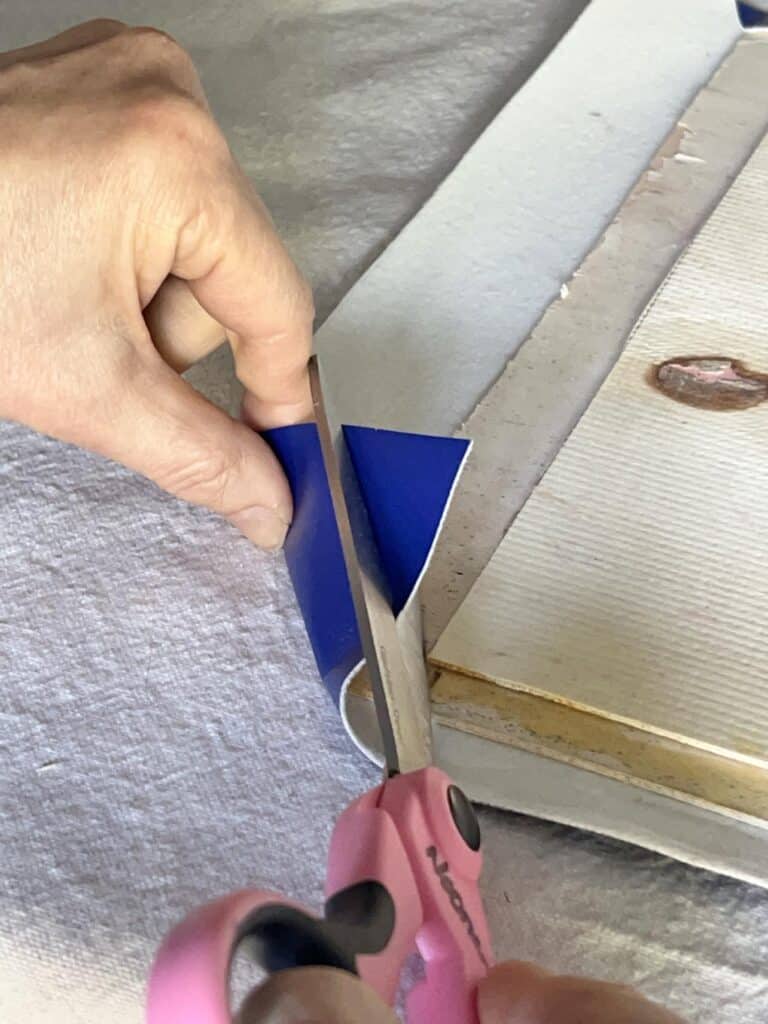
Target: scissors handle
[
  {"x": 417, "y": 836},
  {"x": 403, "y": 876},
  {"x": 189, "y": 983}
]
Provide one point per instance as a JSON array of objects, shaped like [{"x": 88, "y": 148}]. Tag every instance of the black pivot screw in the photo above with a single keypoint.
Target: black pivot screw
[{"x": 464, "y": 817}]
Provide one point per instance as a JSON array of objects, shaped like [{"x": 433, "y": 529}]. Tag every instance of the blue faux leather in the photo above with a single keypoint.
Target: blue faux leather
[{"x": 405, "y": 480}]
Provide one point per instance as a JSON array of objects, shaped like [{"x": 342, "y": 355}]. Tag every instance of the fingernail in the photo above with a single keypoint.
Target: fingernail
[{"x": 266, "y": 527}]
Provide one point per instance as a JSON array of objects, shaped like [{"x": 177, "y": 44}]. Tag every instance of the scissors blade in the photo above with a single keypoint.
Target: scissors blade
[{"x": 402, "y": 707}]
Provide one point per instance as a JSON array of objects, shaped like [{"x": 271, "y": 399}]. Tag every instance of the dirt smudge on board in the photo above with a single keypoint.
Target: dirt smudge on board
[{"x": 718, "y": 383}]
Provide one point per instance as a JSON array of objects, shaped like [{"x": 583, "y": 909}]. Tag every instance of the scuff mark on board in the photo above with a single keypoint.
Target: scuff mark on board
[{"x": 688, "y": 158}]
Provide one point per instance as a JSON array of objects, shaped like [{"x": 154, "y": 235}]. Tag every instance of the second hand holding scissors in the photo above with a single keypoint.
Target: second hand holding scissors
[{"x": 404, "y": 861}]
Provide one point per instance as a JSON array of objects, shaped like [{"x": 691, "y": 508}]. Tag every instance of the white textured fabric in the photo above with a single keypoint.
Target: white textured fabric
[{"x": 163, "y": 736}]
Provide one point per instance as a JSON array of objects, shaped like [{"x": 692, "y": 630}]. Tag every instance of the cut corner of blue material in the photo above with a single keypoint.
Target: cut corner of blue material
[
  {"x": 752, "y": 15},
  {"x": 406, "y": 481}
]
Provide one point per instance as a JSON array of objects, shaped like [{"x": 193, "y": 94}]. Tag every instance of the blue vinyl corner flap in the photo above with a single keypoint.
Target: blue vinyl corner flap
[{"x": 406, "y": 481}]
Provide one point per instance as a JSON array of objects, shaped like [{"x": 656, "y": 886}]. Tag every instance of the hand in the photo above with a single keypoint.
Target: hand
[
  {"x": 132, "y": 245},
  {"x": 513, "y": 993}
]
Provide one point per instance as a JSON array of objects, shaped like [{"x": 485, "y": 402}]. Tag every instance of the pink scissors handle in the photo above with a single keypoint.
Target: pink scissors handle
[
  {"x": 417, "y": 835},
  {"x": 189, "y": 983},
  {"x": 403, "y": 875}
]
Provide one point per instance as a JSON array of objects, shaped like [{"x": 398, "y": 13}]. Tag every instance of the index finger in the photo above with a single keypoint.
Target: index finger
[{"x": 242, "y": 275}]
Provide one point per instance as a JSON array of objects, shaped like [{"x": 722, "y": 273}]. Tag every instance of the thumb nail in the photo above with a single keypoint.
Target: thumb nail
[{"x": 265, "y": 527}]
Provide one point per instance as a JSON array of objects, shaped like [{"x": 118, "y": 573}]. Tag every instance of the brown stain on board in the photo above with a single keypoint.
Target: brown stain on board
[
  {"x": 598, "y": 744},
  {"x": 601, "y": 745},
  {"x": 717, "y": 383}
]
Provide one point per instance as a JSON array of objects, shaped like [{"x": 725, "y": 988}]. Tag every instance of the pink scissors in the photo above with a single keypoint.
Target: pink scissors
[{"x": 404, "y": 861}]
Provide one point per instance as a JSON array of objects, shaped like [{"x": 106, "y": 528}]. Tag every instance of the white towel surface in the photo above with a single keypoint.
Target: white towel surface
[{"x": 163, "y": 736}]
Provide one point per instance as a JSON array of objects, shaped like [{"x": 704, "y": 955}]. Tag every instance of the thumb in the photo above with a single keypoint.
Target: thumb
[
  {"x": 522, "y": 993},
  {"x": 314, "y": 995},
  {"x": 157, "y": 424}
]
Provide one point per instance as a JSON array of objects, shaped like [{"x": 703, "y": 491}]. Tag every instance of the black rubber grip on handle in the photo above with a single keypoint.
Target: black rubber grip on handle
[{"x": 358, "y": 920}]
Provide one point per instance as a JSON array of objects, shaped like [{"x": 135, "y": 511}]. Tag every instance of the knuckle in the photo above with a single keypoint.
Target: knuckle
[
  {"x": 171, "y": 108},
  {"x": 167, "y": 121},
  {"x": 156, "y": 44},
  {"x": 305, "y": 300},
  {"x": 158, "y": 108},
  {"x": 161, "y": 82},
  {"x": 204, "y": 479}
]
